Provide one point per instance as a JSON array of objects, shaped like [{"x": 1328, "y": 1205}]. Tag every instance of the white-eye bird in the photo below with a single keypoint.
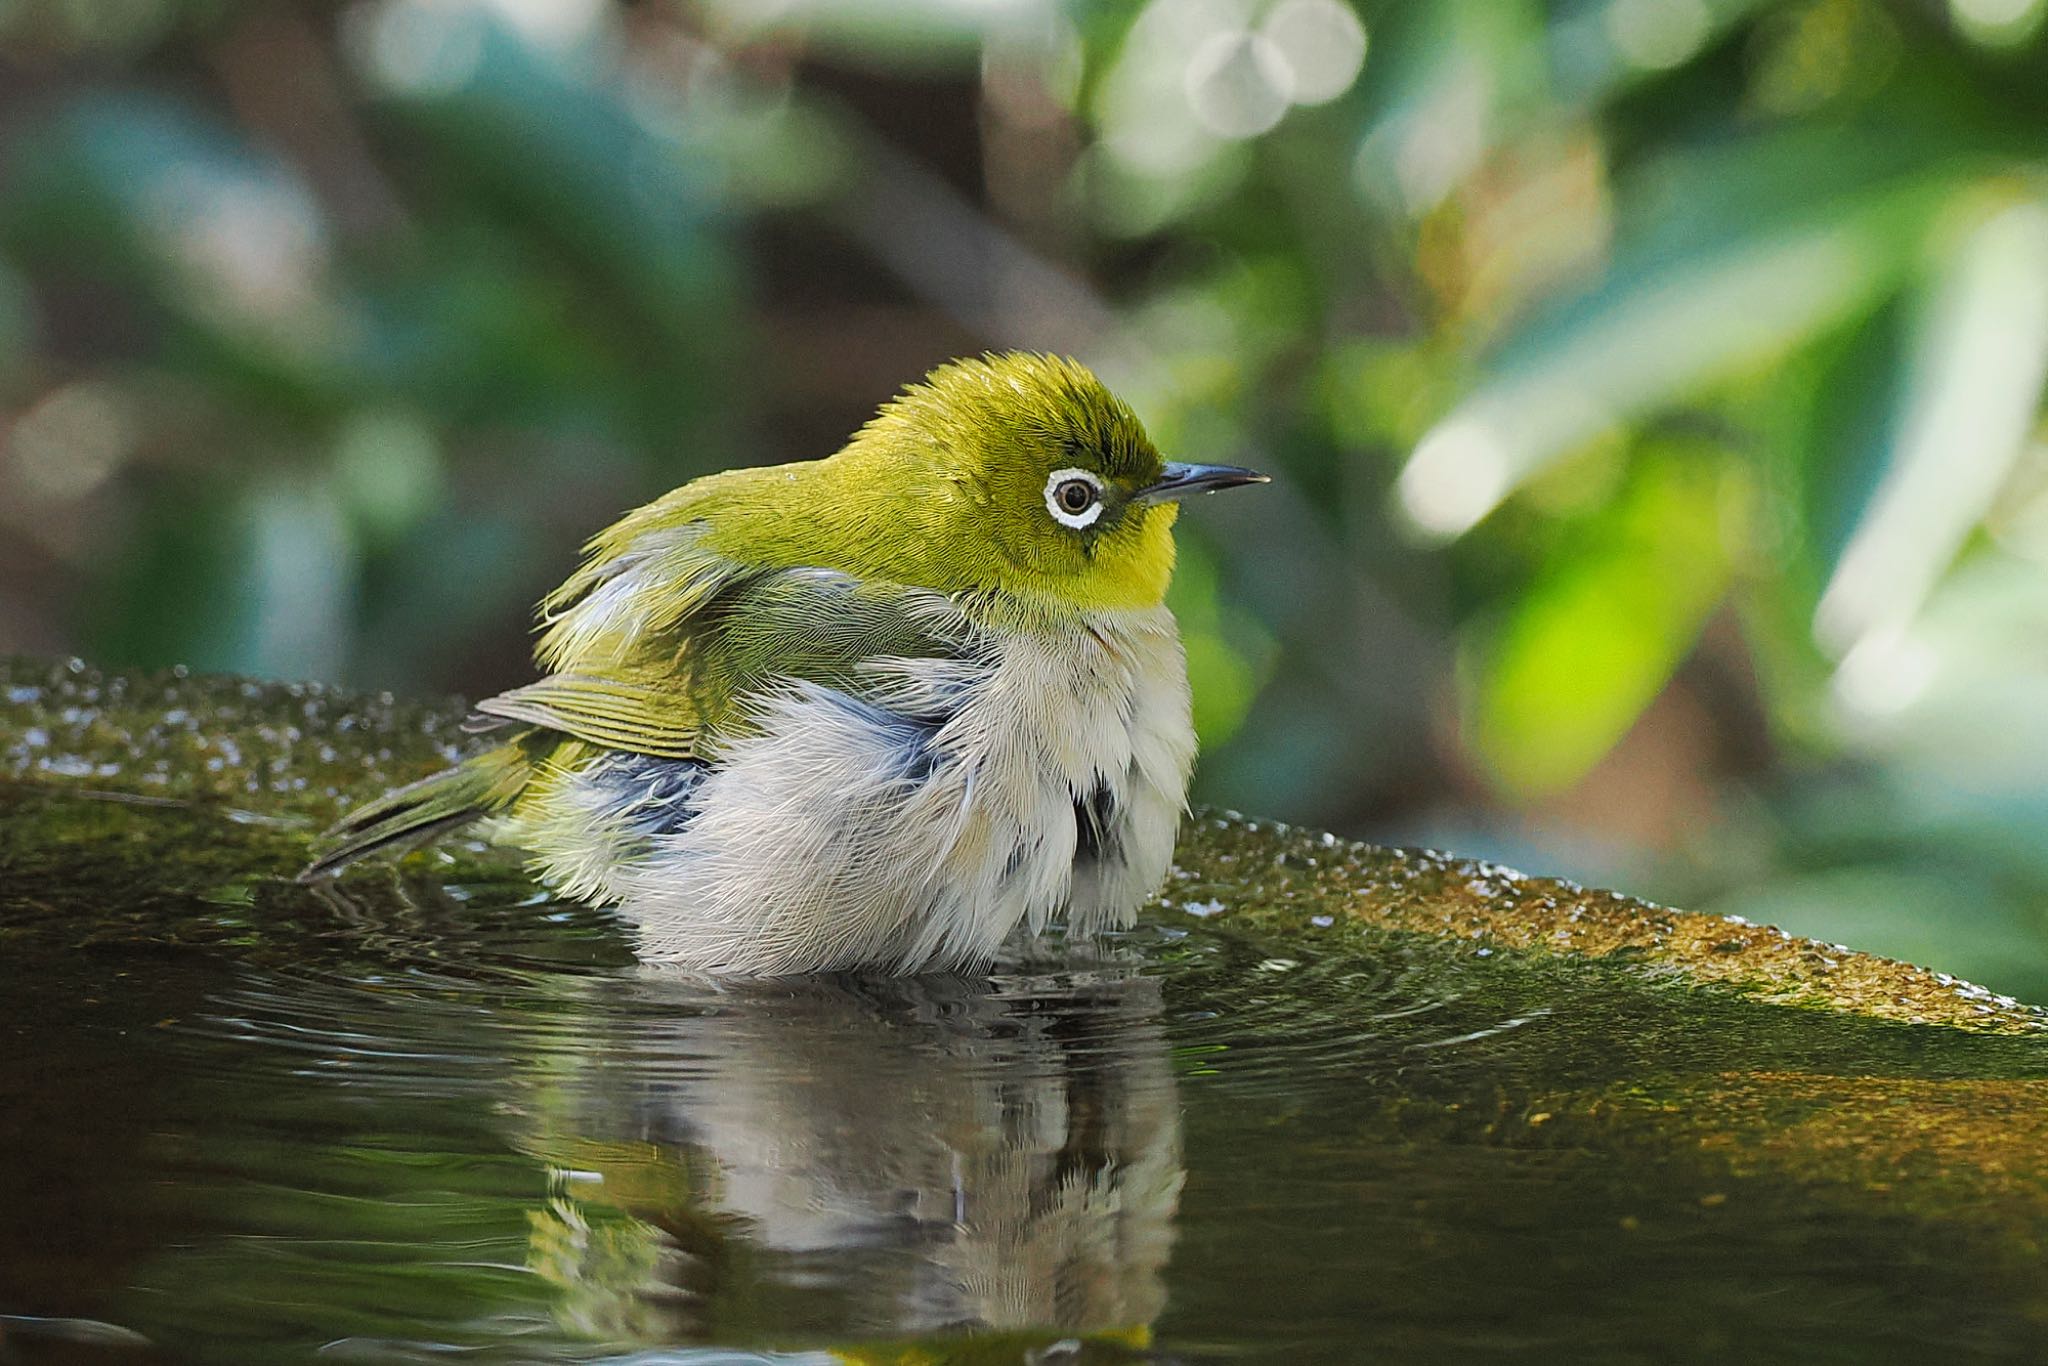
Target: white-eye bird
[{"x": 870, "y": 711}]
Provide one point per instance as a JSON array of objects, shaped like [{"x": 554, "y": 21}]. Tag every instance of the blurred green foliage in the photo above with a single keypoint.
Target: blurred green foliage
[{"x": 1656, "y": 384}]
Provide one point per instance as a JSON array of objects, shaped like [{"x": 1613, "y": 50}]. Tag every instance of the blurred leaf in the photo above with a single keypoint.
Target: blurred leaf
[
  {"x": 1373, "y": 392},
  {"x": 1599, "y": 47},
  {"x": 1960, "y": 700},
  {"x": 150, "y": 193},
  {"x": 609, "y": 270},
  {"x": 1840, "y": 445},
  {"x": 1676, "y": 315},
  {"x": 1445, "y": 78},
  {"x": 780, "y": 154},
  {"x": 553, "y": 137},
  {"x": 387, "y": 471},
  {"x": 1967, "y": 404},
  {"x": 1601, "y": 630},
  {"x": 157, "y": 601},
  {"x": 1229, "y": 653},
  {"x": 469, "y": 327},
  {"x": 295, "y": 583},
  {"x": 250, "y": 580}
]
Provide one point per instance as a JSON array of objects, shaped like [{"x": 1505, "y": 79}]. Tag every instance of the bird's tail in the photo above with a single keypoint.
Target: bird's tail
[{"x": 435, "y": 804}]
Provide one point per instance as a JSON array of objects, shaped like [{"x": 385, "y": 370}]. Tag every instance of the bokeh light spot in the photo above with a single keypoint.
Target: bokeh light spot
[
  {"x": 1458, "y": 474},
  {"x": 1142, "y": 106},
  {"x": 68, "y": 444},
  {"x": 249, "y": 247},
  {"x": 1239, "y": 84},
  {"x": 1657, "y": 34},
  {"x": 1884, "y": 674},
  {"x": 1323, "y": 44},
  {"x": 416, "y": 48},
  {"x": 1443, "y": 142},
  {"x": 1998, "y": 23},
  {"x": 554, "y": 25}
]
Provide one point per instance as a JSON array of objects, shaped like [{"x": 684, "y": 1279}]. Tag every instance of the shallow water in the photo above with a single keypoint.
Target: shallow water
[{"x": 434, "y": 1114}]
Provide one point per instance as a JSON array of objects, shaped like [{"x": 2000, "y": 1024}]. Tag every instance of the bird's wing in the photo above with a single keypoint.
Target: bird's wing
[
  {"x": 660, "y": 649},
  {"x": 617, "y": 713}
]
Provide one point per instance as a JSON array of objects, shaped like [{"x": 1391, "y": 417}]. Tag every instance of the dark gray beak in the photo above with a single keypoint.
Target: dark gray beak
[{"x": 1178, "y": 481}]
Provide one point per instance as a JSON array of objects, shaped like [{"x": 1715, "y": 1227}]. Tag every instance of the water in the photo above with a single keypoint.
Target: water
[{"x": 434, "y": 1115}]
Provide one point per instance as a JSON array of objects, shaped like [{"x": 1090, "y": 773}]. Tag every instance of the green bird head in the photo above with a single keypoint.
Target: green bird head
[
  {"x": 1017, "y": 473},
  {"x": 1055, "y": 487}
]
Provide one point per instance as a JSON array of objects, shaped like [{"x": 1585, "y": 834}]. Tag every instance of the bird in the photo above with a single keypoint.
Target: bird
[{"x": 869, "y": 712}]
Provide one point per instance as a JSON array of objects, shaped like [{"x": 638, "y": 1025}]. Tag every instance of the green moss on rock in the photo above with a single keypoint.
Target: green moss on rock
[{"x": 280, "y": 761}]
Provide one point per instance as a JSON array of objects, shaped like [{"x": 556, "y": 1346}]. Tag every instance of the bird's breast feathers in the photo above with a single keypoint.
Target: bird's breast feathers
[{"x": 908, "y": 809}]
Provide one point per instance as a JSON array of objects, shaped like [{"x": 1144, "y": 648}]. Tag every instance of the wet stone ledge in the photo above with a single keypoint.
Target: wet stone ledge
[{"x": 291, "y": 757}]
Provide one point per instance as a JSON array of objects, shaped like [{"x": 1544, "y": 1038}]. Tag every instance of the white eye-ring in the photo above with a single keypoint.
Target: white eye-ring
[{"x": 1074, "y": 498}]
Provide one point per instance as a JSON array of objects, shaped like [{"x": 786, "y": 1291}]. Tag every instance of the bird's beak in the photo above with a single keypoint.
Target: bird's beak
[{"x": 1178, "y": 481}]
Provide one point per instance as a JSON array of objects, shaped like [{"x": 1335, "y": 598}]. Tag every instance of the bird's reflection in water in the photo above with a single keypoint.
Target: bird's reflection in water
[{"x": 845, "y": 1158}]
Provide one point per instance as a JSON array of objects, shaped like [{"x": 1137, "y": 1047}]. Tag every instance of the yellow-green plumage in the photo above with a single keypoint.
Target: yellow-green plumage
[{"x": 873, "y": 709}]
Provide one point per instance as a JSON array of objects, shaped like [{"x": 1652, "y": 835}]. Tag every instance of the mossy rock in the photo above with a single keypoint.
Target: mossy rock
[{"x": 289, "y": 758}]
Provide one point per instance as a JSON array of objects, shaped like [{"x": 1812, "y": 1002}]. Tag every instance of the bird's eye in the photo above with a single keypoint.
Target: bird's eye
[{"x": 1074, "y": 497}]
